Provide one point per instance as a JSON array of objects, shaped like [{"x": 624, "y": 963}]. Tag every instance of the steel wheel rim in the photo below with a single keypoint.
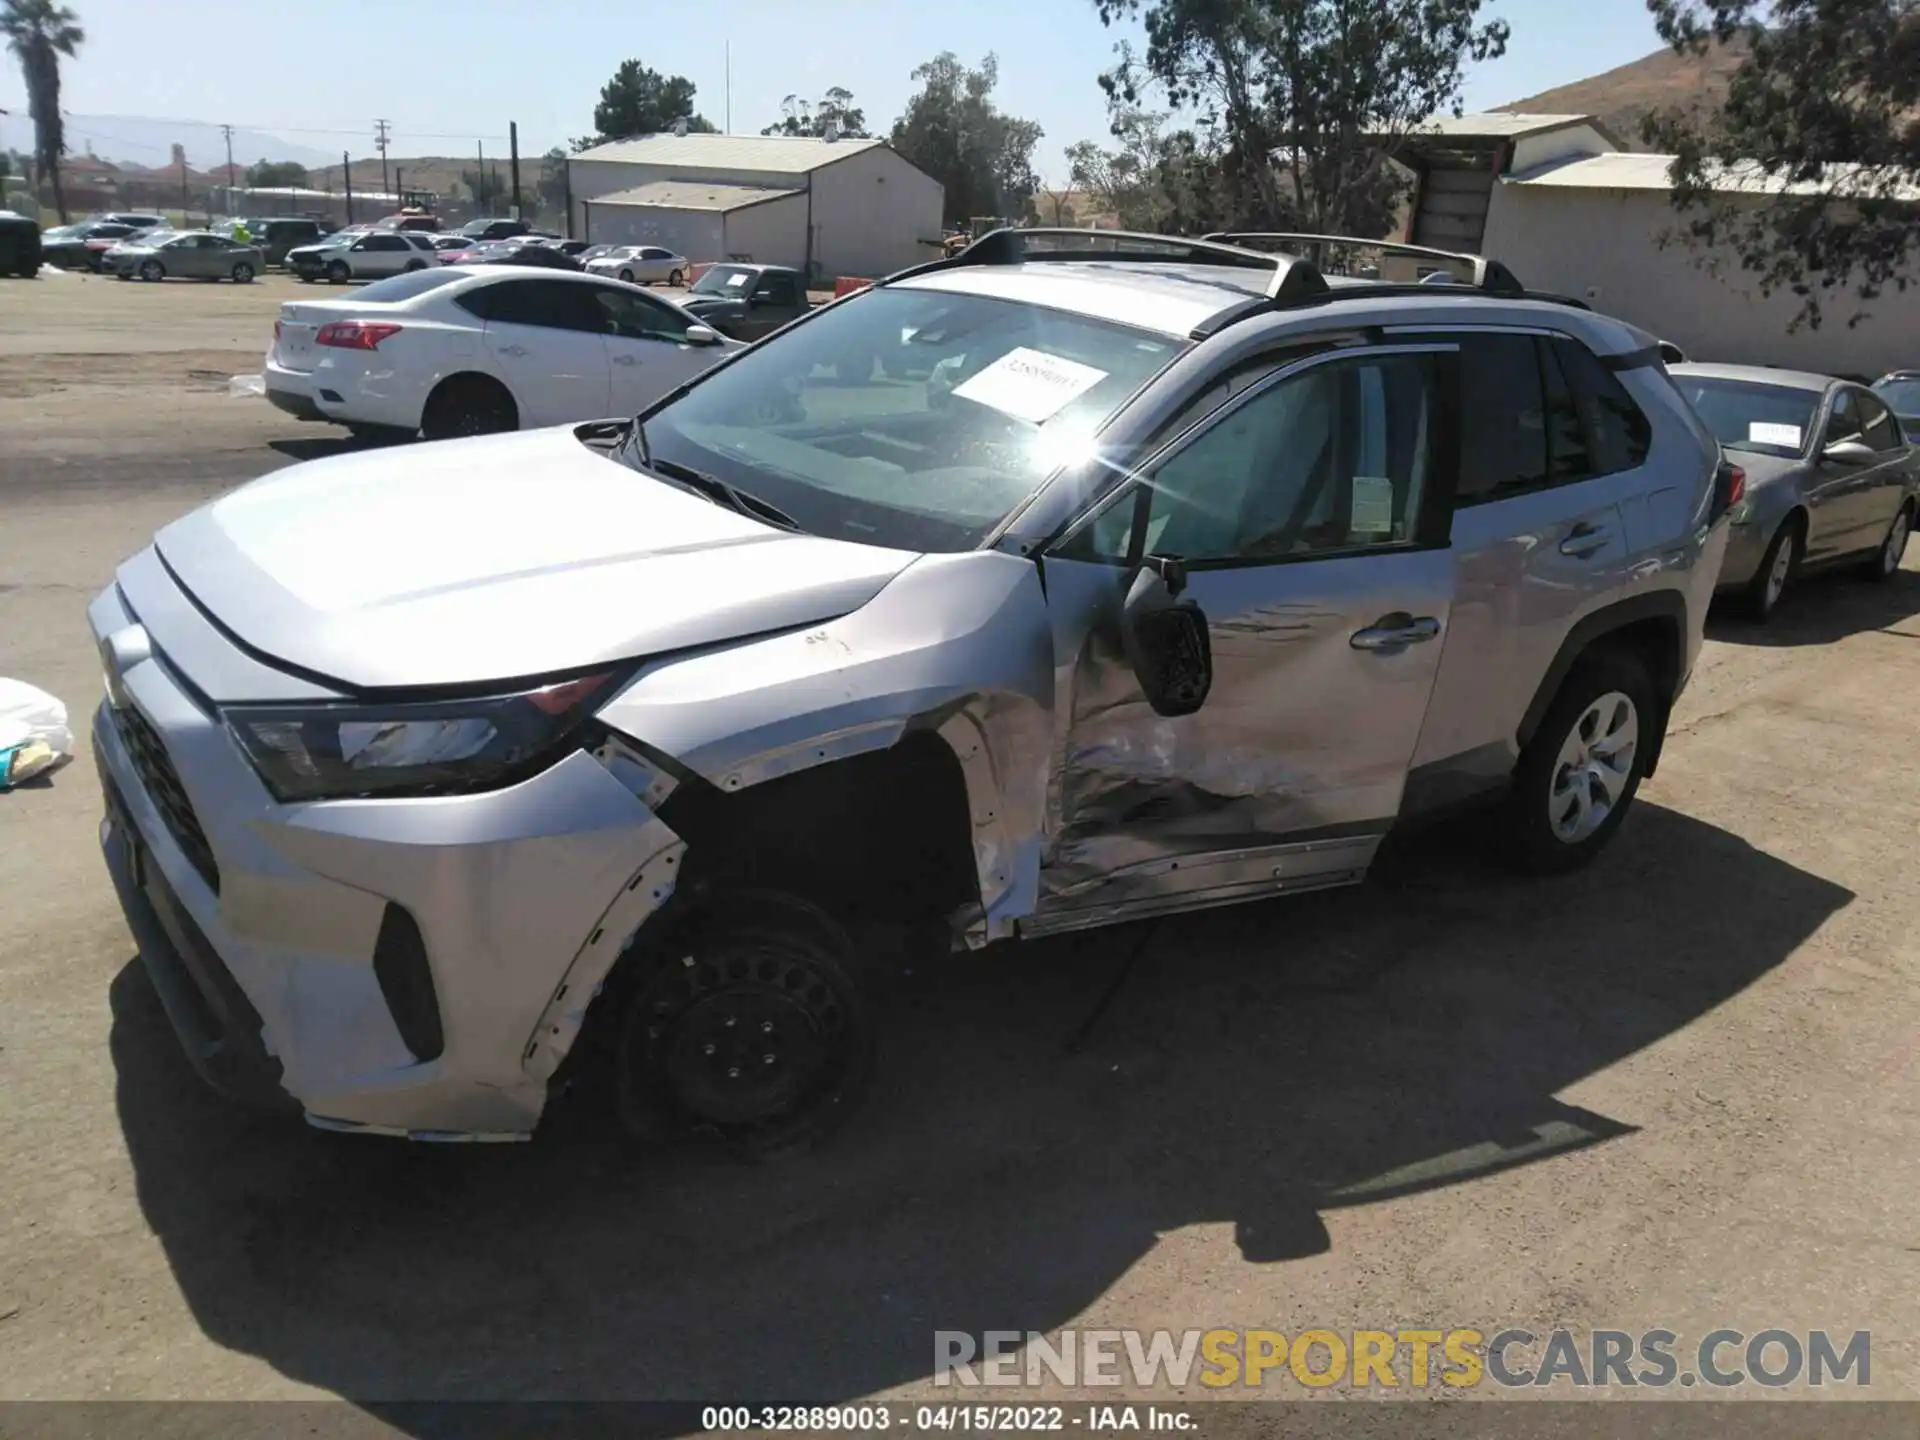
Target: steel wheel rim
[
  {"x": 1595, "y": 763},
  {"x": 1896, "y": 545},
  {"x": 1782, "y": 567}
]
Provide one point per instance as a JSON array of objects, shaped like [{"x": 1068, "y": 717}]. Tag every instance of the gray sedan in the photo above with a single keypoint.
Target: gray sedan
[
  {"x": 1829, "y": 476},
  {"x": 194, "y": 254}
]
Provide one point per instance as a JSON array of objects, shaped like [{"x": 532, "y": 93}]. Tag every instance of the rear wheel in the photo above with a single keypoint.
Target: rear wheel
[
  {"x": 153, "y": 270},
  {"x": 744, "y": 1023},
  {"x": 674, "y": 277},
  {"x": 468, "y": 405},
  {"x": 1886, "y": 560},
  {"x": 627, "y": 275},
  {"x": 243, "y": 274},
  {"x": 1580, "y": 771},
  {"x": 338, "y": 273},
  {"x": 1776, "y": 571},
  {"x": 413, "y": 265}
]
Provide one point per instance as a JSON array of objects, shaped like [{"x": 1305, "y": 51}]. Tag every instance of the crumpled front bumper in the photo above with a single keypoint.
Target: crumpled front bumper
[{"x": 261, "y": 930}]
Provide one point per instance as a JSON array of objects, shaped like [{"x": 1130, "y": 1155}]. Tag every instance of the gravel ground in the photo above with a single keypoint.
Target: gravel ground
[{"x": 1690, "y": 1071}]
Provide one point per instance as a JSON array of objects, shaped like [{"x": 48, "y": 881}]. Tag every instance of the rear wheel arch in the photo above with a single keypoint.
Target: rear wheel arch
[
  {"x": 467, "y": 386},
  {"x": 1652, "y": 627}
]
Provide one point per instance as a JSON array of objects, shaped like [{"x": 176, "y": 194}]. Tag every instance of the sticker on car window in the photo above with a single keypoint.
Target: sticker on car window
[
  {"x": 1030, "y": 385},
  {"x": 735, "y": 281},
  {"x": 1765, "y": 432},
  {"x": 1372, "y": 505}
]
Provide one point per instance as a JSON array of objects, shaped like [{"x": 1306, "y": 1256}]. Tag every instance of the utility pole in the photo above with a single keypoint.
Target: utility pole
[
  {"x": 513, "y": 163},
  {"x": 400, "y": 184},
  {"x": 346, "y": 181},
  {"x": 227, "y": 132},
  {"x": 380, "y": 139}
]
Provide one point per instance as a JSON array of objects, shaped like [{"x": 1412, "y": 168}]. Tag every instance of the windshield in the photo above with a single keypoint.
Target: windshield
[
  {"x": 724, "y": 280},
  {"x": 1766, "y": 419},
  {"x": 908, "y": 418},
  {"x": 1902, "y": 396}
]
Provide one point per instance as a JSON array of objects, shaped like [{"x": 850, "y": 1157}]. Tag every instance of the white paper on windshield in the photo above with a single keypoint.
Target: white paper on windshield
[
  {"x": 1763, "y": 432},
  {"x": 1372, "y": 505},
  {"x": 735, "y": 281},
  {"x": 1030, "y": 385}
]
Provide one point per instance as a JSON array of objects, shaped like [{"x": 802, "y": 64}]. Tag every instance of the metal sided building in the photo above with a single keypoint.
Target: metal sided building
[{"x": 831, "y": 207}]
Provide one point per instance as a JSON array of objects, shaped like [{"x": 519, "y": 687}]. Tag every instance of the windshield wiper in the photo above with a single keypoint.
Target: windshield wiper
[{"x": 715, "y": 489}]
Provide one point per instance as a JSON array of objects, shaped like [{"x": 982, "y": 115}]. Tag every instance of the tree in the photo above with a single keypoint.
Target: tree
[
  {"x": 640, "y": 101},
  {"x": 552, "y": 184},
  {"x": 276, "y": 174},
  {"x": 816, "y": 117},
  {"x": 1309, "y": 99},
  {"x": 1805, "y": 173},
  {"x": 485, "y": 186},
  {"x": 953, "y": 131},
  {"x": 40, "y": 32}
]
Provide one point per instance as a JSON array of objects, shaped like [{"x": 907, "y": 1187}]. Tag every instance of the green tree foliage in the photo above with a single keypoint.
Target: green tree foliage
[
  {"x": 642, "y": 101},
  {"x": 275, "y": 174},
  {"x": 953, "y": 131},
  {"x": 39, "y": 32},
  {"x": 1805, "y": 175},
  {"x": 488, "y": 189},
  {"x": 800, "y": 116},
  {"x": 1308, "y": 100},
  {"x": 552, "y": 184}
]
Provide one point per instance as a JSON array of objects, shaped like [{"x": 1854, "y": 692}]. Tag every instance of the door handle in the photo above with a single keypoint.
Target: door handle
[
  {"x": 1584, "y": 539},
  {"x": 1390, "y": 632},
  {"x": 623, "y": 360},
  {"x": 514, "y": 350}
]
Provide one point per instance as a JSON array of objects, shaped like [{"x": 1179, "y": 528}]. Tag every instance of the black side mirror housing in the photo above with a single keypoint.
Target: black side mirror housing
[{"x": 1165, "y": 639}]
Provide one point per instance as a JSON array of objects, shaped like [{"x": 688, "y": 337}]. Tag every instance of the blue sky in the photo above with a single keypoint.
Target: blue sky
[{"x": 448, "y": 74}]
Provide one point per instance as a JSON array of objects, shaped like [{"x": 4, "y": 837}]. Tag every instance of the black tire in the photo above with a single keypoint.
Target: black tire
[
  {"x": 243, "y": 274},
  {"x": 743, "y": 1024},
  {"x": 1529, "y": 836},
  {"x": 152, "y": 271},
  {"x": 627, "y": 275},
  {"x": 338, "y": 273},
  {"x": 413, "y": 265},
  {"x": 1885, "y": 563},
  {"x": 674, "y": 278},
  {"x": 464, "y": 405},
  {"x": 1762, "y": 597},
  {"x": 123, "y": 275}
]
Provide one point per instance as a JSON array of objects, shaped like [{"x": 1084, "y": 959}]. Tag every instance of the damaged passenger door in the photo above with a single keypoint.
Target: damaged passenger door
[{"x": 1306, "y": 519}]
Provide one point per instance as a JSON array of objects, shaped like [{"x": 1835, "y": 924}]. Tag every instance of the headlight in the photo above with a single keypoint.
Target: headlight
[{"x": 445, "y": 747}]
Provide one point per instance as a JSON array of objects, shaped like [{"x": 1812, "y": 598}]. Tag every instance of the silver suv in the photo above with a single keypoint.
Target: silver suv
[{"x": 1070, "y": 580}]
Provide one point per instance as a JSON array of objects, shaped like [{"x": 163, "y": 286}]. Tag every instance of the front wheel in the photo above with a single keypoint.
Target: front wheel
[
  {"x": 1776, "y": 570},
  {"x": 153, "y": 270},
  {"x": 243, "y": 274},
  {"x": 747, "y": 1027},
  {"x": 1580, "y": 771},
  {"x": 338, "y": 273},
  {"x": 1886, "y": 561}
]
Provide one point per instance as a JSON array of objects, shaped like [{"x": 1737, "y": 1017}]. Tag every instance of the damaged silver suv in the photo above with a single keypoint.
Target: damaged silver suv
[{"x": 1070, "y": 580}]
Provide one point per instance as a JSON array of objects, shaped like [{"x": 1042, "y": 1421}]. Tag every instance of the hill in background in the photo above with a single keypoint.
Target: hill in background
[{"x": 1623, "y": 97}]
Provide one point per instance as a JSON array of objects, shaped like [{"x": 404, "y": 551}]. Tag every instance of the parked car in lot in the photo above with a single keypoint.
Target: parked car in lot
[
  {"x": 277, "y": 235},
  {"x": 748, "y": 301},
  {"x": 1829, "y": 478},
  {"x": 1900, "y": 390},
  {"x": 498, "y": 228},
  {"x": 19, "y": 245},
  {"x": 454, "y": 240},
  {"x": 463, "y": 351},
  {"x": 82, "y": 247},
  {"x": 132, "y": 219},
  {"x": 525, "y": 252},
  {"x": 641, "y": 264},
  {"x": 414, "y": 221},
  {"x": 189, "y": 255},
  {"x": 1183, "y": 579},
  {"x": 465, "y": 252},
  {"x": 369, "y": 255}
]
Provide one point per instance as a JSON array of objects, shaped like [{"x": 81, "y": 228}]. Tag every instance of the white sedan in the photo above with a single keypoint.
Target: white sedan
[
  {"x": 641, "y": 265},
  {"x": 469, "y": 350}
]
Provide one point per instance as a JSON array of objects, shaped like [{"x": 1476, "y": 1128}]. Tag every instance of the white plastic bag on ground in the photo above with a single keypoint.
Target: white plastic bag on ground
[
  {"x": 34, "y": 737},
  {"x": 242, "y": 385}
]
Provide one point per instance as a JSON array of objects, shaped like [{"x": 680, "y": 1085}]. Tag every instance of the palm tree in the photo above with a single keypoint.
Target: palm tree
[{"x": 40, "y": 32}]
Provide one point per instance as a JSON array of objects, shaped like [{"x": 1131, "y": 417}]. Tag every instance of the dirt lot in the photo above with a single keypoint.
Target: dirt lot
[{"x": 1691, "y": 1069}]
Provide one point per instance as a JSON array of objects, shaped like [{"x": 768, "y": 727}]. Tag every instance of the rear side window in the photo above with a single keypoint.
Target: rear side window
[
  {"x": 1618, "y": 434},
  {"x": 1881, "y": 432},
  {"x": 550, "y": 304}
]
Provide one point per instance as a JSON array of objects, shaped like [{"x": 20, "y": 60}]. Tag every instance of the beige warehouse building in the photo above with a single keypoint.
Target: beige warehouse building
[
  {"x": 833, "y": 207},
  {"x": 1570, "y": 210}
]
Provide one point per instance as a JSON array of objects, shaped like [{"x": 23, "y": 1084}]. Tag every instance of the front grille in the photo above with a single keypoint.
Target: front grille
[{"x": 149, "y": 755}]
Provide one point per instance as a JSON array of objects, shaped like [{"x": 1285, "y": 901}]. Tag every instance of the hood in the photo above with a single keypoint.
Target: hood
[
  {"x": 497, "y": 558},
  {"x": 703, "y": 304}
]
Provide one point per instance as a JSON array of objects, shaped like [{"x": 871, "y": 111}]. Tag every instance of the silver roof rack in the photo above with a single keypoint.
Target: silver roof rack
[{"x": 1488, "y": 276}]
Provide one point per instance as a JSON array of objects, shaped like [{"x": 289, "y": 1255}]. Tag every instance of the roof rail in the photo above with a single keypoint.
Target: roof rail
[
  {"x": 1488, "y": 276},
  {"x": 1293, "y": 280}
]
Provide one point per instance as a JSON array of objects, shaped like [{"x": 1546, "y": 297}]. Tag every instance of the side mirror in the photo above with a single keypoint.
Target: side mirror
[
  {"x": 1849, "y": 452},
  {"x": 702, "y": 335},
  {"x": 1165, "y": 639}
]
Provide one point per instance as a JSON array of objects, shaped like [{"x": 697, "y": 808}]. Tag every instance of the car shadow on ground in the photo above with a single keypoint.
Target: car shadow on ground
[
  {"x": 1826, "y": 606},
  {"x": 333, "y": 442},
  {"x": 1261, "y": 1065}
]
